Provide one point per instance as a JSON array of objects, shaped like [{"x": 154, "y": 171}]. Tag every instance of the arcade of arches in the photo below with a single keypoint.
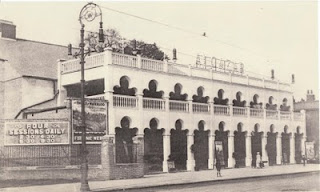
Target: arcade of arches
[{"x": 196, "y": 150}]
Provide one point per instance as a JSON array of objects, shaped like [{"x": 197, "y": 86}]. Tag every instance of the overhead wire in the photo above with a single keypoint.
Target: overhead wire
[{"x": 204, "y": 35}]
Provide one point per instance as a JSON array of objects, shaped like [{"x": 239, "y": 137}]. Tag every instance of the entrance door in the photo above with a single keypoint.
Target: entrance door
[
  {"x": 201, "y": 151},
  {"x": 272, "y": 148},
  {"x": 239, "y": 147}
]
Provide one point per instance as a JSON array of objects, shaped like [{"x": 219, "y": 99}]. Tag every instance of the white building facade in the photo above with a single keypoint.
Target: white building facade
[{"x": 181, "y": 111}]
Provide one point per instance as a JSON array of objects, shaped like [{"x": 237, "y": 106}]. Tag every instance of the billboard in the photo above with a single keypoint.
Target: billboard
[
  {"x": 310, "y": 150},
  {"x": 36, "y": 132},
  {"x": 96, "y": 120}
]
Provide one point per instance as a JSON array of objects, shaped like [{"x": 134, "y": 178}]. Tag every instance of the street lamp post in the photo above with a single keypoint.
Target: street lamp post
[{"x": 88, "y": 13}]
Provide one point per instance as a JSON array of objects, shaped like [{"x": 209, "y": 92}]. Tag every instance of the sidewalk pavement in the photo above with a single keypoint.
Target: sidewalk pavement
[{"x": 167, "y": 179}]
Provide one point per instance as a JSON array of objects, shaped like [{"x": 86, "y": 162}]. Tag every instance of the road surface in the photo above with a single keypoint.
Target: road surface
[{"x": 296, "y": 182}]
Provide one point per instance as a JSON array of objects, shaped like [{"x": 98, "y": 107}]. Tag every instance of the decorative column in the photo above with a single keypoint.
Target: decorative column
[
  {"x": 248, "y": 150},
  {"x": 139, "y": 61},
  {"x": 211, "y": 139},
  {"x": 303, "y": 145},
  {"x": 140, "y": 109},
  {"x": 166, "y": 152},
  {"x": 108, "y": 89},
  {"x": 292, "y": 150},
  {"x": 279, "y": 149},
  {"x": 190, "y": 156},
  {"x": 108, "y": 155},
  {"x": 263, "y": 146},
  {"x": 166, "y": 137},
  {"x": 231, "y": 160}
]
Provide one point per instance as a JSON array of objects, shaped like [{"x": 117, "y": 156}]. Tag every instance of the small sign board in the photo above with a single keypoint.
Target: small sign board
[
  {"x": 310, "y": 150},
  {"x": 36, "y": 132}
]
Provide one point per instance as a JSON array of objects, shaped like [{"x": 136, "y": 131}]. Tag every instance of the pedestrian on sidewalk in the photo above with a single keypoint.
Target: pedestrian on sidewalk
[
  {"x": 258, "y": 160},
  {"x": 218, "y": 166},
  {"x": 304, "y": 160},
  {"x": 219, "y": 162}
]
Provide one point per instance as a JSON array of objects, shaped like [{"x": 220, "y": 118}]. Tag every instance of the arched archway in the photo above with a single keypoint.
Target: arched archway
[
  {"x": 256, "y": 144},
  {"x": 239, "y": 146},
  {"x": 222, "y": 136},
  {"x": 297, "y": 143},
  {"x": 125, "y": 149},
  {"x": 272, "y": 146},
  {"x": 152, "y": 92},
  {"x": 201, "y": 146},
  {"x": 285, "y": 140},
  {"x": 178, "y": 140},
  {"x": 153, "y": 146},
  {"x": 124, "y": 89}
]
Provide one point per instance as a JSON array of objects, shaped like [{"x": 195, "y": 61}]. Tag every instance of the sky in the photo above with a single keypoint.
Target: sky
[{"x": 263, "y": 35}]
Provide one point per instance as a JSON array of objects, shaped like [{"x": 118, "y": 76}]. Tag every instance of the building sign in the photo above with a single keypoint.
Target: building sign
[
  {"x": 219, "y": 64},
  {"x": 310, "y": 150},
  {"x": 96, "y": 120},
  {"x": 36, "y": 133}
]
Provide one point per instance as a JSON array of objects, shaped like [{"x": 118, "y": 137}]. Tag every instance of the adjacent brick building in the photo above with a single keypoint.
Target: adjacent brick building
[{"x": 311, "y": 106}]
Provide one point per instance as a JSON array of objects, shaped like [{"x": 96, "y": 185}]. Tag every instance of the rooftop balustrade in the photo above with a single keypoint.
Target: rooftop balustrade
[{"x": 111, "y": 58}]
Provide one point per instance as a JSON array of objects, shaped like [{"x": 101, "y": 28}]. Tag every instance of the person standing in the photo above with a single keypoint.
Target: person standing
[
  {"x": 258, "y": 159},
  {"x": 218, "y": 164},
  {"x": 304, "y": 160}
]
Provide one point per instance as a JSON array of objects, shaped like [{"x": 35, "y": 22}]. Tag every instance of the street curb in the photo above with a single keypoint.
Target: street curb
[{"x": 201, "y": 182}]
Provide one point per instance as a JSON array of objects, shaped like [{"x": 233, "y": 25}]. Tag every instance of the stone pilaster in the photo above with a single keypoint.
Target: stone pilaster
[
  {"x": 211, "y": 139},
  {"x": 248, "y": 150},
  {"x": 263, "y": 146},
  {"x": 292, "y": 150},
  {"x": 231, "y": 161},
  {"x": 166, "y": 152},
  {"x": 190, "y": 156},
  {"x": 279, "y": 149}
]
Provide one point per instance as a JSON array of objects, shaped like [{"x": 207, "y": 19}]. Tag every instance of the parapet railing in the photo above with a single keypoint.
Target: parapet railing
[
  {"x": 256, "y": 113},
  {"x": 112, "y": 58},
  {"x": 152, "y": 103},
  {"x": 200, "y": 108},
  {"x": 221, "y": 110},
  {"x": 179, "y": 106},
  {"x": 240, "y": 111},
  {"x": 125, "y": 101}
]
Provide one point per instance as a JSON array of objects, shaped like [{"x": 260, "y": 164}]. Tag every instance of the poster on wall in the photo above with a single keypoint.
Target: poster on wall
[
  {"x": 219, "y": 151},
  {"x": 36, "y": 132},
  {"x": 310, "y": 150},
  {"x": 96, "y": 120}
]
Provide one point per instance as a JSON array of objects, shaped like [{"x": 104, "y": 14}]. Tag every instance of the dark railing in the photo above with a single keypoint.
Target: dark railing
[{"x": 47, "y": 156}]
